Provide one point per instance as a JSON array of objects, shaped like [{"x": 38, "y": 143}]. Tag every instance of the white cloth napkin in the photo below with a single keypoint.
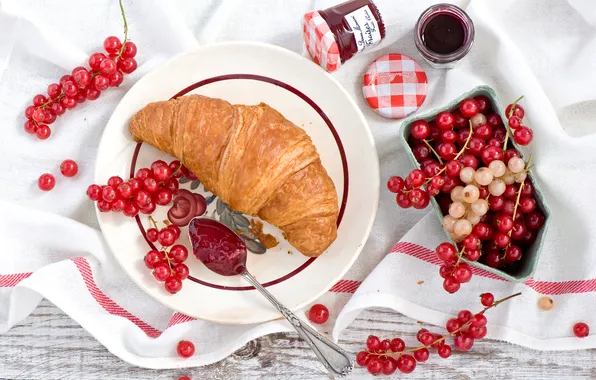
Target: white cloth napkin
[{"x": 53, "y": 249}]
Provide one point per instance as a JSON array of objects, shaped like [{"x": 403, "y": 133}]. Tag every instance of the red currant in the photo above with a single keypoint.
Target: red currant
[
  {"x": 463, "y": 342},
  {"x": 420, "y": 130},
  {"x": 130, "y": 50},
  {"x": 178, "y": 253},
  {"x": 116, "y": 78},
  {"x": 166, "y": 237},
  {"x": 163, "y": 197},
  {"x": 46, "y": 182},
  {"x": 527, "y": 205},
  {"x": 39, "y": 100},
  {"x": 416, "y": 177},
  {"x": 318, "y": 314},
  {"x": 93, "y": 93},
  {"x": 68, "y": 102},
  {"x": 107, "y": 67},
  {"x": 445, "y": 270},
  {"x": 462, "y": 273},
  {"x": 69, "y": 168},
  {"x": 362, "y": 358},
  {"x": 427, "y": 338},
  {"x": 451, "y": 285},
  {"x": 54, "y": 90},
  {"x": 534, "y": 220},
  {"x": 446, "y": 252},
  {"x": 444, "y": 351},
  {"x": 142, "y": 198},
  {"x": 445, "y": 120},
  {"x": 43, "y": 131},
  {"x": 469, "y": 161},
  {"x": 173, "y": 284},
  {"x": 184, "y": 378},
  {"x": 181, "y": 271},
  {"x": 464, "y": 316},
  {"x": 514, "y": 122},
  {"x": 104, "y": 206},
  {"x": 493, "y": 259},
  {"x": 406, "y": 363},
  {"x": 453, "y": 324},
  {"x": 419, "y": 198},
  {"x": 523, "y": 136},
  {"x": 487, "y": 299},
  {"x": 373, "y": 343},
  {"x": 112, "y": 44},
  {"x": 468, "y": 108},
  {"x": 162, "y": 173},
  {"x": 175, "y": 229},
  {"x": 513, "y": 253},
  {"x": 477, "y": 332},
  {"x": 502, "y": 240},
  {"x": 185, "y": 349},
  {"x": 66, "y": 78},
  {"x": 161, "y": 271},
  {"x": 471, "y": 242},
  {"x": 30, "y": 127},
  {"x": 148, "y": 209},
  {"x": 483, "y": 132},
  {"x": 490, "y": 154},
  {"x": 389, "y": 366},
  {"x": 447, "y": 151},
  {"x": 473, "y": 254},
  {"x": 459, "y": 121},
  {"x": 153, "y": 258},
  {"x": 94, "y": 192},
  {"x": 131, "y": 209},
  {"x": 484, "y": 104},
  {"x": 479, "y": 320},
  {"x": 395, "y": 184},
  {"x": 403, "y": 200},
  {"x": 101, "y": 82},
  {"x": 127, "y": 65},
  {"x": 517, "y": 111},
  {"x": 397, "y": 345},
  {"x": 151, "y": 185},
  {"x": 151, "y": 234},
  {"x": 374, "y": 366},
  {"x": 494, "y": 120},
  {"x": 581, "y": 330},
  {"x": 95, "y": 60},
  {"x": 421, "y": 355}
]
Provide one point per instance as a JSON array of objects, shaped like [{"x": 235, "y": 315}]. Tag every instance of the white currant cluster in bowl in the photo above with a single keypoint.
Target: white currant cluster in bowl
[{"x": 480, "y": 182}]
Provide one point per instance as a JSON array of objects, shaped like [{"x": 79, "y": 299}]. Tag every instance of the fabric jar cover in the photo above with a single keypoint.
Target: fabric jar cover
[{"x": 320, "y": 41}]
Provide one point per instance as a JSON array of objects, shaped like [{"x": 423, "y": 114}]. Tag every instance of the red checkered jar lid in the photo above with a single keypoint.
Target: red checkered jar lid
[
  {"x": 320, "y": 41},
  {"x": 395, "y": 86}
]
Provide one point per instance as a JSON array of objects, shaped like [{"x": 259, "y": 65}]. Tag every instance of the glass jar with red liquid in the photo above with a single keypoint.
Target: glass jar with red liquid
[
  {"x": 334, "y": 35},
  {"x": 444, "y": 34}
]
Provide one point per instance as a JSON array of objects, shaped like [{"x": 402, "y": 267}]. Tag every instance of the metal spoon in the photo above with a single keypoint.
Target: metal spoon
[{"x": 222, "y": 251}]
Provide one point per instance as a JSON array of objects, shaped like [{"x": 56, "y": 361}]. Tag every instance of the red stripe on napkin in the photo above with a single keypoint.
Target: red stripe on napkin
[
  {"x": 10, "y": 280},
  {"x": 104, "y": 301}
]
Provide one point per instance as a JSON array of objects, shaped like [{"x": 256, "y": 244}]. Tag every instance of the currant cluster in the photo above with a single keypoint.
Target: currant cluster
[
  {"x": 150, "y": 187},
  {"x": 387, "y": 356},
  {"x": 168, "y": 263},
  {"x": 82, "y": 84},
  {"x": 480, "y": 182}
]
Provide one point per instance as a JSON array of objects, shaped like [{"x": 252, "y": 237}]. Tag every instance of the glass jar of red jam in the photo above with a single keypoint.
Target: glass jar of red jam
[
  {"x": 444, "y": 34},
  {"x": 336, "y": 34}
]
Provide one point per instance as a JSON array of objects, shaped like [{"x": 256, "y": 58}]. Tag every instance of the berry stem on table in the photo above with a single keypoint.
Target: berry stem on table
[{"x": 454, "y": 332}]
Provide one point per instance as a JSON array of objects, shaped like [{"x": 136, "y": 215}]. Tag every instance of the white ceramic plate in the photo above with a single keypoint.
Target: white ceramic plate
[{"x": 249, "y": 73}]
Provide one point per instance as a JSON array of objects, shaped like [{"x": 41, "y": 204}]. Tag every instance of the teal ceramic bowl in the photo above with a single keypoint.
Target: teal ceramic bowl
[{"x": 524, "y": 269}]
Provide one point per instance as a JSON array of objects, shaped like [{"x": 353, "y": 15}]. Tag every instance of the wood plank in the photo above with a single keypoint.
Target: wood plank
[{"x": 49, "y": 345}]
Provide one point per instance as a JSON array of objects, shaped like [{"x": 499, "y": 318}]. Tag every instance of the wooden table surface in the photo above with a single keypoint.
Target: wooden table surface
[{"x": 49, "y": 345}]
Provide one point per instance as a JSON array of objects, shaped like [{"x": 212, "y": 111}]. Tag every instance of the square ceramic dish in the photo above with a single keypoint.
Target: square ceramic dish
[{"x": 527, "y": 265}]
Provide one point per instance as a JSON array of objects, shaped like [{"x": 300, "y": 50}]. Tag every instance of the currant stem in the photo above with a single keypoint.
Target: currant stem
[
  {"x": 125, "y": 29},
  {"x": 153, "y": 222},
  {"x": 434, "y": 151},
  {"x": 463, "y": 149},
  {"x": 507, "y": 121}
]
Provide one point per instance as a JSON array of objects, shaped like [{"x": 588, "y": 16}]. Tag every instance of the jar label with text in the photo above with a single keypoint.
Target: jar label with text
[{"x": 365, "y": 28}]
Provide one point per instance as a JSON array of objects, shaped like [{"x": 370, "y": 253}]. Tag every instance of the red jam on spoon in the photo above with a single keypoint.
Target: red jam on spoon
[{"x": 217, "y": 246}]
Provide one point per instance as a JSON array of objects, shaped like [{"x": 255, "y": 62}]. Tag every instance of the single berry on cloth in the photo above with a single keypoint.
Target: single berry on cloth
[
  {"x": 581, "y": 330},
  {"x": 46, "y": 182},
  {"x": 185, "y": 349}
]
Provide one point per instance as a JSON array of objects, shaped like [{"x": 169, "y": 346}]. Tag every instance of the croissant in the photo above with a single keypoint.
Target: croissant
[{"x": 252, "y": 158}]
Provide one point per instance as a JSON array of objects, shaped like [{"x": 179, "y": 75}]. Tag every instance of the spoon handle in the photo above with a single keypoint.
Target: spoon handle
[{"x": 334, "y": 358}]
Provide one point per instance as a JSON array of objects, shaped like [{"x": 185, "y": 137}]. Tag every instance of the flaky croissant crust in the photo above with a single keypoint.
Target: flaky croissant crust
[{"x": 252, "y": 158}]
